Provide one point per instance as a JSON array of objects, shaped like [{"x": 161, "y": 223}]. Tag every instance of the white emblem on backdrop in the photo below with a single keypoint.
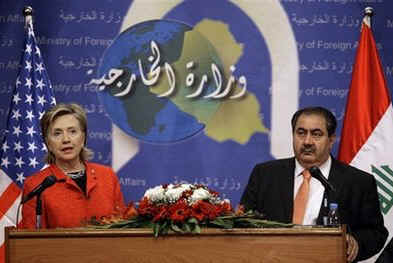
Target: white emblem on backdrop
[{"x": 273, "y": 23}]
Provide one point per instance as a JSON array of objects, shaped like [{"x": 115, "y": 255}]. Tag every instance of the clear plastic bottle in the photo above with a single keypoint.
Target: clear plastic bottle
[{"x": 333, "y": 219}]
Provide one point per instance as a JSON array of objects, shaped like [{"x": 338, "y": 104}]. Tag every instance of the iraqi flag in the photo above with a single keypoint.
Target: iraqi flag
[{"x": 367, "y": 134}]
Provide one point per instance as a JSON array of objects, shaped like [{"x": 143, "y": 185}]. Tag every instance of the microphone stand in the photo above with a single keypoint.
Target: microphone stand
[
  {"x": 326, "y": 207},
  {"x": 328, "y": 197},
  {"x": 38, "y": 211}
]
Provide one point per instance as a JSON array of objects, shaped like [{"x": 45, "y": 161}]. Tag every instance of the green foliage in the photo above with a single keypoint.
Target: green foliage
[{"x": 192, "y": 226}]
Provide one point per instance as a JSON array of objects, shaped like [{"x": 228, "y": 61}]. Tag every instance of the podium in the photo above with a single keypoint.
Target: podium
[{"x": 303, "y": 244}]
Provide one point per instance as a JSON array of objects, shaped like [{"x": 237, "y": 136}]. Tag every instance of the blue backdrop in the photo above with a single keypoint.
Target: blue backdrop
[{"x": 292, "y": 53}]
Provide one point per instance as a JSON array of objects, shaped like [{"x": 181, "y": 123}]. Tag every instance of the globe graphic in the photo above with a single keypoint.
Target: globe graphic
[
  {"x": 182, "y": 140},
  {"x": 181, "y": 55}
]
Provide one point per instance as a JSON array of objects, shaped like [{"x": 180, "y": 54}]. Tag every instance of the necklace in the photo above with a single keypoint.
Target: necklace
[
  {"x": 77, "y": 174},
  {"x": 74, "y": 172}
]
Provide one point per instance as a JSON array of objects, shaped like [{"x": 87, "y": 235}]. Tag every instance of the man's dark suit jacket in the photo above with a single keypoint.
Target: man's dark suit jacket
[
  {"x": 270, "y": 191},
  {"x": 387, "y": 254}
]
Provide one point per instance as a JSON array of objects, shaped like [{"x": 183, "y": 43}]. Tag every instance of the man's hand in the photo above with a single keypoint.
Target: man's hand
[{"x": 352, "y": 248}]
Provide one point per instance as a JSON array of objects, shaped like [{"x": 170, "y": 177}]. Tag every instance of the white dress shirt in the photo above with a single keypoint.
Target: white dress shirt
[{"x": 316, "y": 191}]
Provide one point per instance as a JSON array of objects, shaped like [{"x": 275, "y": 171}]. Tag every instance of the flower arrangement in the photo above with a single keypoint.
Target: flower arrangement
[{"x": 182, "y": 208}]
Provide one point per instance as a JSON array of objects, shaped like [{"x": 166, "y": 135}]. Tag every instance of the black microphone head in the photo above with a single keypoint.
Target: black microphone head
[
  {"x": 49, "y": 181},
  {"x": 317, "y": 174},
  {"x": 314, "y": 170}
]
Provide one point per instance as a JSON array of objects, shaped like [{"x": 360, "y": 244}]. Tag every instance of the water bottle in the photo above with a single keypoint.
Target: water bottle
[{"x": 333, "y": 217}]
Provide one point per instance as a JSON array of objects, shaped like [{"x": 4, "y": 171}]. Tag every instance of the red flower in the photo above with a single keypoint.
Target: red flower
[
  {"x": 210, "y": 209},
  {"x": 130, "y": 211},
  {"x": 203, "y": 210},
  {"x": 162, "y": 213},
  {"x": 179, "y": 212},
  {"x": 214, "y": 193},
  {"x": 197, "y": 212},
  {"x": 146, "y": 208},
  {"x": 186, "y": 194},
  {"x": 240, "y": 210},
  {"x": 225, "y": 208}
]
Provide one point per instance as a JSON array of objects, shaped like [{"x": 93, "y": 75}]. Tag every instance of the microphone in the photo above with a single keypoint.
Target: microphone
[
  {"x": 316, "y": 173},
  {"x": 47, "y": 182}
]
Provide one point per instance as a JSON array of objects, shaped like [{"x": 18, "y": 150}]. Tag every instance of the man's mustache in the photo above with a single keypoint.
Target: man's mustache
[{"x": 307, "y": 149}]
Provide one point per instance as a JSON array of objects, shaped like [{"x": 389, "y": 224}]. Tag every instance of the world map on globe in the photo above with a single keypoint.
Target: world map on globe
[
  {"x": 142, "y": 113},
  {"x": 156, "y": 55}
]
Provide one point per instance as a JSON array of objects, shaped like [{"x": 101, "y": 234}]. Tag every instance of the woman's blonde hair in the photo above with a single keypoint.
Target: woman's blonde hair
[{"x": 60, "y": 110}]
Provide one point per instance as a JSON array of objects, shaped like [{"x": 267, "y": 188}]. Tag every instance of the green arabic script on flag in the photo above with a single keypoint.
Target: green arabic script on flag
[{"x": 384, "y": 177}]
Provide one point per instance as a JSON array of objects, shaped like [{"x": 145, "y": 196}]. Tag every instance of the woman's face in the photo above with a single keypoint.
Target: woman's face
[{"x": 66, "y": 139}]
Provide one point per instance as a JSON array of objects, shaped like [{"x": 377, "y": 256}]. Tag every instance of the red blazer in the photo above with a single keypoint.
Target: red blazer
[{"x": 65, "y": 205}]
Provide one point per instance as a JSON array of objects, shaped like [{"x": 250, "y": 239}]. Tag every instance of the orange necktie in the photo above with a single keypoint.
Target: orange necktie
[{"x": 300, "y": 203}]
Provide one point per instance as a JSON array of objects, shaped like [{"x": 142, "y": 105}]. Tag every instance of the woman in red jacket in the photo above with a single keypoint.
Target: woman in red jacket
[{"x": 83, "y": 189}]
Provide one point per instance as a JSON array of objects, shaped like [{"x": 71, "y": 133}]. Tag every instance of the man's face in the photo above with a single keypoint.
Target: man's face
[{"x": 311, "y": 142}]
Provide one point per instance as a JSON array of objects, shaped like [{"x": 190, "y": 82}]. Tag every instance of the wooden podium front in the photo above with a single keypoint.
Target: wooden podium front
[{"x": 212, "y": 245}]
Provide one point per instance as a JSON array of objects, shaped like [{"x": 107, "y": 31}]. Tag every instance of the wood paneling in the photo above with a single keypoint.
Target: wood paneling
[{"x": 212, "y": 245}]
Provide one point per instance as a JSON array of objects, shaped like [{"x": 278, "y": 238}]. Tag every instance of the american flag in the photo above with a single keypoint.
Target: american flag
[{"x": 22, "y": 149}]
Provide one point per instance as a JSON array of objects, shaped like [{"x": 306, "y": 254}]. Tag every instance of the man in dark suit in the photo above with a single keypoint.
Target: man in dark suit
[
  {"x": 387, "y": 254},
  {"x": 273, "y": 186}
]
